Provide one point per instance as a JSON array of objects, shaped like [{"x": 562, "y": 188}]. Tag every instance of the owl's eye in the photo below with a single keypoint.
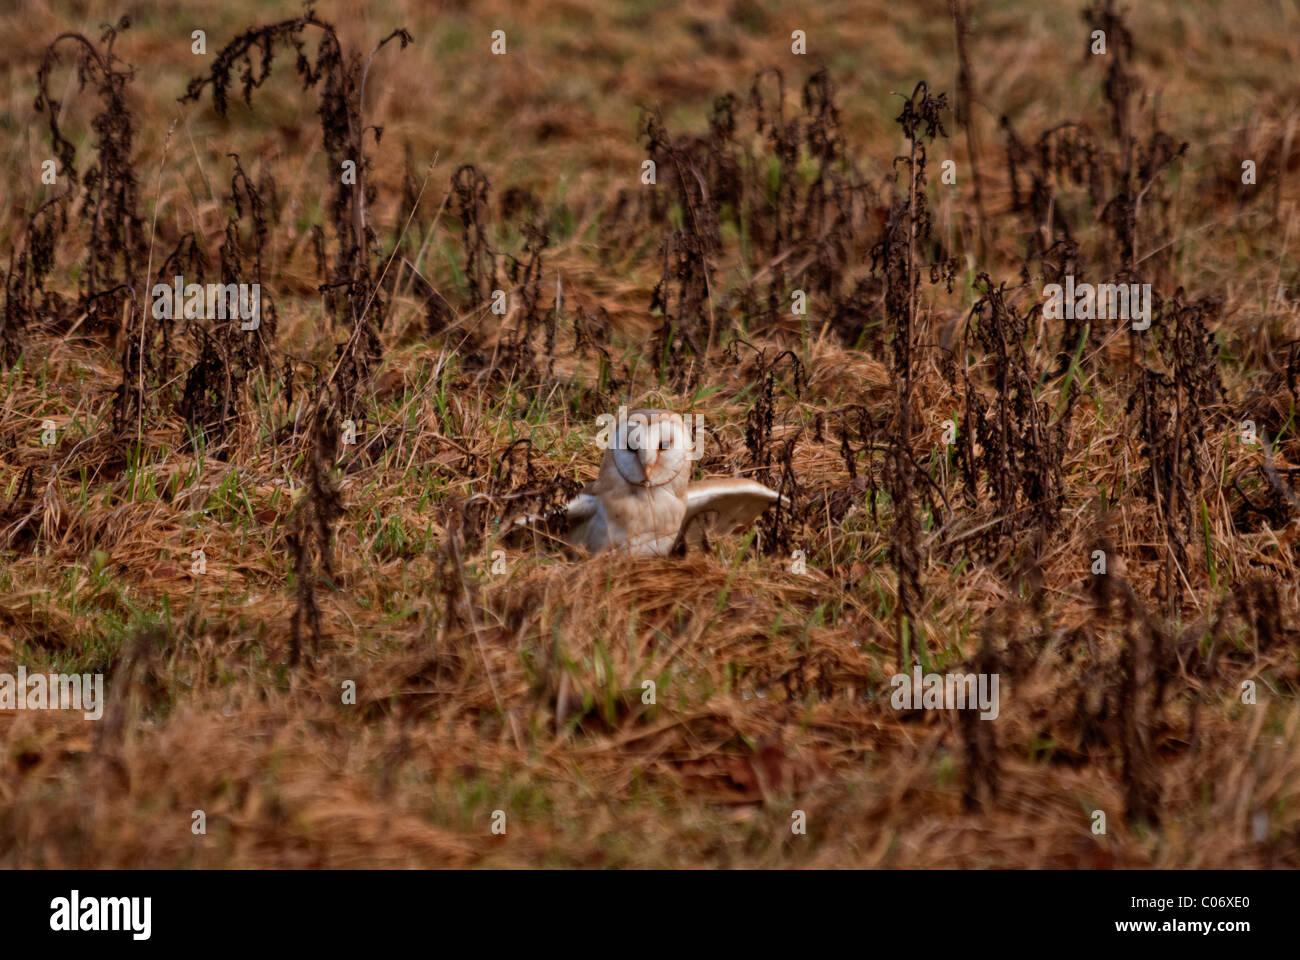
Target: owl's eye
[{"x": 665, "y": 442}]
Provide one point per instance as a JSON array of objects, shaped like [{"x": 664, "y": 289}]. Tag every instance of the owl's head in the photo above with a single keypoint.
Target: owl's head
[{"x": 650, "y": 447}]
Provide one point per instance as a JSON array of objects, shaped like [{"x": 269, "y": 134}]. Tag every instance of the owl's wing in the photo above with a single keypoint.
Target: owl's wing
[
  {"x": 572, "y": 526},
  {"x": 586, "y": 521},
  {"x": 582, "y": 507},
  {"x": 723, "y": 505}
]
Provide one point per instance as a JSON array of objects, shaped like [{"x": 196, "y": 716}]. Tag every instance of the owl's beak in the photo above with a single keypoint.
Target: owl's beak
[{"x": 649, "y": 460}]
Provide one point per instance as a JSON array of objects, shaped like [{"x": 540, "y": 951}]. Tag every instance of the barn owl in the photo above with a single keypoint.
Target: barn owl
[{"x": 643, "y": 499}]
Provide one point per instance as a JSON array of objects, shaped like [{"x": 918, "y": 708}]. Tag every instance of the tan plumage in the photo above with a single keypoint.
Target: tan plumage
[{"x": 643, "y": 499}]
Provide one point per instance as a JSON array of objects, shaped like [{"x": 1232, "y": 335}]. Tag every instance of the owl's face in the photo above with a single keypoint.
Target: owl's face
[{"x": 650, "y": 448}]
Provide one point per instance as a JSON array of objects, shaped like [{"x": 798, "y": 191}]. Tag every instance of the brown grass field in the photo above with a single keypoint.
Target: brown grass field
[{"x": 1162, "y": 692}]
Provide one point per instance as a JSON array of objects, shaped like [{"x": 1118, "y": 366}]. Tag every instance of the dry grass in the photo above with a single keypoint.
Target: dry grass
[{"x": 522, "y": 691}]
